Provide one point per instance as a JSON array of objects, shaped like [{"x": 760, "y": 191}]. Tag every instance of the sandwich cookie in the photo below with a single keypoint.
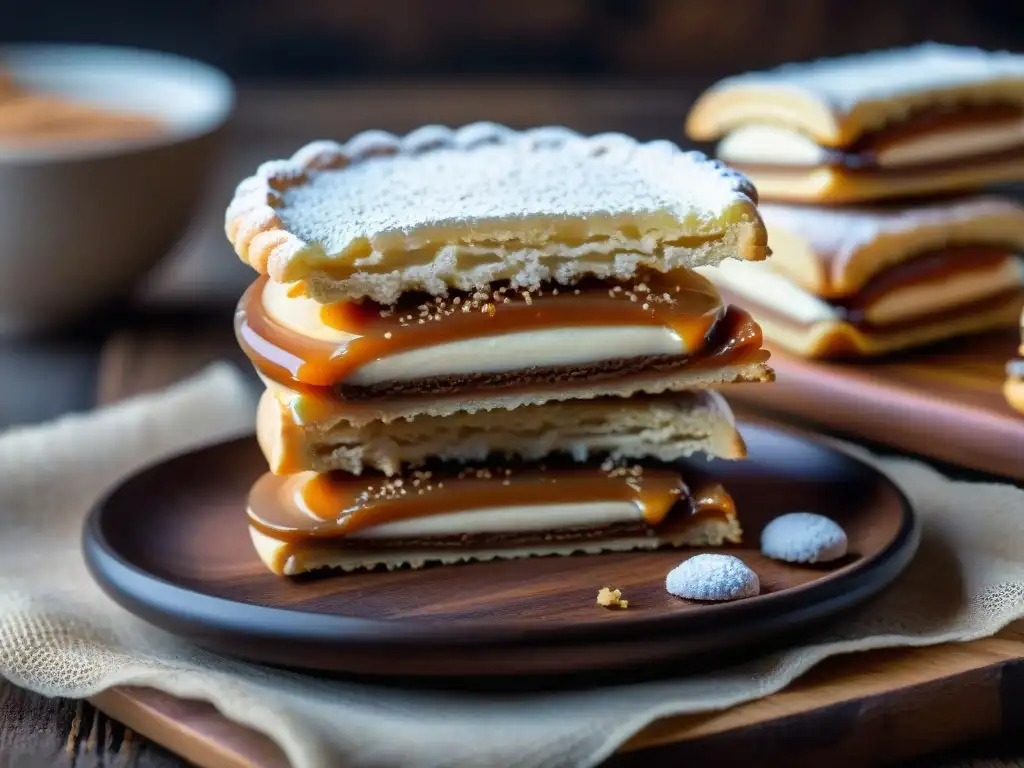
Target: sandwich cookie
[
  {"x": 485, "y": 343},
  {"x": 454, "y": 513},
  {"x": 867, "y": 281},
  {"x": 898, "y": 123}
]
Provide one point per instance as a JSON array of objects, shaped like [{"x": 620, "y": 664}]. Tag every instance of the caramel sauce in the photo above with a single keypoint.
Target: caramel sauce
[
  {"x": 28, "y": 119},
  {"x": 337, "y": 505},
  {"x": 683, "y": 301},
  {"x": 926, "y": 269},
  {"x": 735, "y": 340}
]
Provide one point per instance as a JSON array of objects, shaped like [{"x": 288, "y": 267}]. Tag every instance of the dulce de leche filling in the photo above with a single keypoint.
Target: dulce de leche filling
[
  {"x": 933, "y": 269},
  {"x": 683, "y": 303},
  {"x": 573, "y": 499}
]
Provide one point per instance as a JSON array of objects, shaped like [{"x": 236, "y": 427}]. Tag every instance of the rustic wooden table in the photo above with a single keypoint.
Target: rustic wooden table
[{"x": 181, "y": 318}]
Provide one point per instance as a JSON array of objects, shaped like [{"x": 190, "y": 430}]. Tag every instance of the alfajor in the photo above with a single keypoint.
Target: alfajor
[
  {"x": 485, "y": 343},
  {"x": 887, "y": 124},
  {"x": 870, "y": 280}
]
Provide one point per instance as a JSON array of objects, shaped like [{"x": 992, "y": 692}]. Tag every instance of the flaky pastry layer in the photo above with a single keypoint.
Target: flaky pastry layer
[
  {"x": 830, "y": 185},
  {"x": 439, "y": 208},
  {"x": 292, "y": 559},
  {"x": 307, "y": 407},
  {"x": 836, "y": 101},
  {"x": 837, "y": 338},
  {"x": 834, "y": 252},
  {"x": 664, "y": 428}
]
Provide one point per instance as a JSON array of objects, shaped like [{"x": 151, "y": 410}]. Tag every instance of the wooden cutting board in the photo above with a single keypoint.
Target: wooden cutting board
[
  {"x": 848, "y": 711},
  {"x": 944, "y": 402}
]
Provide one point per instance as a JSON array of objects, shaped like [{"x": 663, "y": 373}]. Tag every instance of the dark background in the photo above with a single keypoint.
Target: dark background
[{"x": 345, "y": 39}]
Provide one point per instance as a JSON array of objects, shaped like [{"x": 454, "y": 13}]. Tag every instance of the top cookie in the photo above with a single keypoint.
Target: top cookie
[
  {"x": 437, "y": 209},
  {"x": 836, "y": 101}
]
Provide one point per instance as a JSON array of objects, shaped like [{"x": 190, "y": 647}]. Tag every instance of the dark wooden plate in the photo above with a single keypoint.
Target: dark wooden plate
[{"x": 171, "y": 545}]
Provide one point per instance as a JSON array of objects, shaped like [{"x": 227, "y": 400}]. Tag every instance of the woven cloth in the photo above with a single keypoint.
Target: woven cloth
[{"x": 61, "y": 636}]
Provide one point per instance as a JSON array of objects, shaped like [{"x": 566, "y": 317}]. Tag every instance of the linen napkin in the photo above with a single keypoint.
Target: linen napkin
[{"x": 61, "y": 636}]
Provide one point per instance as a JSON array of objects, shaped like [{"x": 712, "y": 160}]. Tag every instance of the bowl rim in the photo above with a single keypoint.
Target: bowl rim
[{"x": 195, "y": 73}]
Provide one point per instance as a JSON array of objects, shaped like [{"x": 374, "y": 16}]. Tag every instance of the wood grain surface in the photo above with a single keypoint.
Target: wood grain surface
[{"x": 944, "y": 402}]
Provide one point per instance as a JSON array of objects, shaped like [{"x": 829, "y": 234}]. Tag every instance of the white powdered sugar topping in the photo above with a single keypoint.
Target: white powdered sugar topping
[
  {"x": 714, "y": 578},
  {"x": 803, "y": 537},
  {"x": 842, "y": 231},
  {"x": 844, "y": 82},
  {"x": 334, "y": 197}
]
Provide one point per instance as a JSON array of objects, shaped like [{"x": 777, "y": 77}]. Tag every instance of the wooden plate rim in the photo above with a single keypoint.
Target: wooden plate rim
[{"x": 166, "y": 603}]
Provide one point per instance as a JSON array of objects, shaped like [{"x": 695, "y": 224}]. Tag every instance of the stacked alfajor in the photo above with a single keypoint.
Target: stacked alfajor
[
  {"x": 484, "y": 343},
  {"x": 874, "y": 167}
]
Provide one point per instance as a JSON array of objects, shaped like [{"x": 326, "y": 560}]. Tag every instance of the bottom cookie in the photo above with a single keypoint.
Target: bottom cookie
[{"x": 455, "y": 513}]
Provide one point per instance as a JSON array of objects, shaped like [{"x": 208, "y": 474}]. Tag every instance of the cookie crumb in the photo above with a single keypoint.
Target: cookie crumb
[{"x": 611, "y": 598}]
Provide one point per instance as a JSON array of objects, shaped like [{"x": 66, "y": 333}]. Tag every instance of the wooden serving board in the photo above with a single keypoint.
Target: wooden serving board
[
  {"x": 862, "y": 709},
  {"x": 944, "y": 402}
]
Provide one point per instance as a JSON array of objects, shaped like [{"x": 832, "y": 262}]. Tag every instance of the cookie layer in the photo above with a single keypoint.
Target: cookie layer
[
  {"x": 838, "y": 338},
  {"x": 439, "y": 209},
  {"x": 836, "y": 185},
  {"x": 837, "y": 101},
  {"x": 835, "y": 252},
  {"x": 665, "y": 428}
]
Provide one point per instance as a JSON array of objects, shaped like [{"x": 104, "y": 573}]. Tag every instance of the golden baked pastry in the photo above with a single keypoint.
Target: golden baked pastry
[
  {"x": 887, "y": 124},
  {"x": 436, "y": 210},
  {"x": 867, "y": 281}
]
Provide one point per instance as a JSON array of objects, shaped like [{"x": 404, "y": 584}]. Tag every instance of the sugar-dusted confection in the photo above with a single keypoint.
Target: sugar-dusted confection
[
  {"x": 888, "y": 124},
  {"x": 665, "y": 428},
  {"x": 442, "y": 209},
  {"x": 503, "y": 347},
  {"x": 867, "y": 281},
  {"x": 803, "y": 537},
  {"x": 837, "y": 101},
  {"x": 979, "y": 298},
  {"x": 713, "y": 578},
  {"x": 489, "y": 344},
  {"x": 450, "y": 514},
  {"x": 835, "y": 253}
]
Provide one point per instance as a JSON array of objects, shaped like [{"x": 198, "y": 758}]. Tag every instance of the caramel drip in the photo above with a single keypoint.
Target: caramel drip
[
  {"x": 922, "y": 270},
  {"x": 312, "y": 506},
  {"x": 683, "y": 301}
]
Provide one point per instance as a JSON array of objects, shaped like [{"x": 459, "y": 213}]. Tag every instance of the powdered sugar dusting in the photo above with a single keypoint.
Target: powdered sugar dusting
[
  {"x": 803, "y": 537},
  {"x": 842, "y": 231},
  {"x": 844, "y": 82},
  {"x": 712, "y": 577},
  {"x": 379, "y": 188},
  {"x": 497, "y": 180}
]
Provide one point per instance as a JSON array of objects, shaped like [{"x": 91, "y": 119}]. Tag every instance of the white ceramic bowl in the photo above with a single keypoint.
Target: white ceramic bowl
[{"x": 82, "y": 224}]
